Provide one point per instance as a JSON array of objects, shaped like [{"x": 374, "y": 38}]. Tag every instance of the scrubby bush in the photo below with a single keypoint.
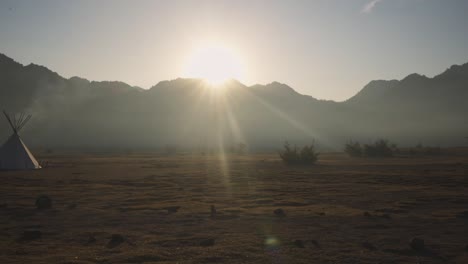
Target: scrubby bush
[
  {"x": 380, "y": 148},
  {"x": 353, "y": 148},
  {"x": 307, "y": 155},
  {"x": 432, "y": 150},
  {"x": 170, "y": 150},
  {"x": 419, "y": 149},
  {"x": 239, "y": 148},
  {"x": 289, "y": 154}
]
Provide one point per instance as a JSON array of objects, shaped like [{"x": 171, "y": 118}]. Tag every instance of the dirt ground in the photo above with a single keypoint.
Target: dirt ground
[{"x": 114, "y": 209}]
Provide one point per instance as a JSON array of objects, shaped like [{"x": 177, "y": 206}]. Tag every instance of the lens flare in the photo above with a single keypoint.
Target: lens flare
[{"x": 214, "y": 63}]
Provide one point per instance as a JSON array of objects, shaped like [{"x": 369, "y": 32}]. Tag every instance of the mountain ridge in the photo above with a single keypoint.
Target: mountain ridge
[
  {"x": 77, "y": 112},
  {"x": 454, "y": 70}
]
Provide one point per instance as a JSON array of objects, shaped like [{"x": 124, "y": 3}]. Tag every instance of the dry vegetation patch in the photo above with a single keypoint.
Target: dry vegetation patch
[{"x": 247, "y": 209}]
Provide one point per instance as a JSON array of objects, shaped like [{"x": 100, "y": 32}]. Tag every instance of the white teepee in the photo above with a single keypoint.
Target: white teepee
[{"x": 14, "y": 155}]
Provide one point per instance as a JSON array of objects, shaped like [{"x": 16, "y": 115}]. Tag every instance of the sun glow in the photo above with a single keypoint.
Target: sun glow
[{"x": 215, "y": 64}]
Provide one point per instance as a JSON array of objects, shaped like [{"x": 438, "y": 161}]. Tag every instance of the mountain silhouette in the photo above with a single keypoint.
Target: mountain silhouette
[{"x": 81, "y": 114}]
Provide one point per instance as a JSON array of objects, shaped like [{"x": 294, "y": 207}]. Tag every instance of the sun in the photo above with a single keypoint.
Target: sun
[{"x": 215, "y": 64}]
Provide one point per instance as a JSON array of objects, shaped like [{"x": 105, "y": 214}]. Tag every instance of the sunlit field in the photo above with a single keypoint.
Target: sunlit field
[
  {"x": 187, "y": 208},
  {"x": 221, "y": 131}
]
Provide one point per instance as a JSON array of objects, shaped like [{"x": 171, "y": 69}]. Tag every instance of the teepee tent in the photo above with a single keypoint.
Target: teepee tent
[{"x": 14, "y": 155}]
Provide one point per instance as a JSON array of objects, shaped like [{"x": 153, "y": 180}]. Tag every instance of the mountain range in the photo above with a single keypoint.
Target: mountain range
[{"x": 77, "y": 113}]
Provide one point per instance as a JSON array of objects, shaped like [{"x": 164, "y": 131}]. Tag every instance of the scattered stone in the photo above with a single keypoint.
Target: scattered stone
[
  {"x": 387, "y": 216},
  {"x": 417, "y": 244},
  {"x": 212, "y": 260},
  {"x": 299, "y": 243},
  {"x": 321, "y": 213},
  {"x": 115, "y": 240},
  {"x": 43, "y": 202},
  {"x": 30, "y": 235},
  {"x": 463, "y": 214},
  {"x": 315, "y": 243},
  {"x": 207, "y": 242},
  {"x": 30, "y": 227},
  {"x": 172, "y": 209},
  {"x": 367, "y": 214},
  {"x": 279, "y": 212},
  {"x": 91, "y": 240},
  {"x": 213, "y": 211},
  {"x": 144, "y": 259},
  {"x": 71, "y": 206},
  {"x": 20, "y": 252},
  {"x": 369, "y": 246}
]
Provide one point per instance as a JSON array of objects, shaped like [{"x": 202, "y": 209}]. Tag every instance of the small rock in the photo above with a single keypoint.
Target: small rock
[
  {"x": 279, "y": 212},
  {"x": 43, "y": 202},
  {"x": 172, "y": 209},
  {"x": 299, "y": 243},
  {"x": 3, "y": 205},
  {"x": 30, "y": 235},
  {"x": 20, "y": 252},
  {"x": 368, "y": 246},
  {"x": 213, "y": 211},
  {"x": 387, "y": 216},
  {"x": 315, "y": 243},
  {"x": 417, "y": 244},
  {"x": 207, "y": 242},
  {"x": 115, "y": 240},
  {"x": 463, "y": 214},
  {"x": 367, "y": 214},
  {"x": 71, "y": 206},
  {"x": 91, "y": 240}
]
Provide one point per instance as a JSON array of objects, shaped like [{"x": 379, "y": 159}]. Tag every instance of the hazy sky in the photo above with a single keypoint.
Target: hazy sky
[{"x": 328, "y": 49}]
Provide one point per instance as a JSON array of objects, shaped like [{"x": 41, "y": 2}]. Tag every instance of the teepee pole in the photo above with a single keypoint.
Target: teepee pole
[
  {"x": 24, "y": 121},
  {"x": 15, "y": 122},
  {"x": 9, "y": 121},
  {"x": 20, "y": 119}
]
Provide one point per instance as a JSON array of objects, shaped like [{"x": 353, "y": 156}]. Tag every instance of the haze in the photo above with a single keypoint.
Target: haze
[
  {"x": 234, "y": 131},
  {"x": 327, "y": 49}
]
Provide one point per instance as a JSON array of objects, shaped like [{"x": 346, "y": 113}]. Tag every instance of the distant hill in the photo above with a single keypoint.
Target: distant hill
[
  {"x": 77, "y": 113},
  {"x": 447, "y": 91}
]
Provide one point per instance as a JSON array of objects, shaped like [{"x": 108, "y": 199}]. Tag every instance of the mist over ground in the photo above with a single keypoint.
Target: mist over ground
[{"x": 189, "y": 114}]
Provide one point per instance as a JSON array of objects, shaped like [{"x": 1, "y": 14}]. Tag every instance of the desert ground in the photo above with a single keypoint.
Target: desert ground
[{"x": 154, "y": 208}]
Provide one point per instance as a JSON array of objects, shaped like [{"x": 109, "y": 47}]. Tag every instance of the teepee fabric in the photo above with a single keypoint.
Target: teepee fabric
[{"x": 14, "y": 155}]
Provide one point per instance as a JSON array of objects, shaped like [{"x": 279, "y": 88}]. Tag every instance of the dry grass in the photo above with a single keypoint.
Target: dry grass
[{"x": 95, "y": 197}]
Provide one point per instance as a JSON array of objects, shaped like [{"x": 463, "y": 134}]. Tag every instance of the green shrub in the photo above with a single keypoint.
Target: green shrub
[
  {"x": 289, "y": 154},
  {"x": 239, "y": 148},
  {"x": 309, "y": 155},
  {"x": 380, "y": 148},
  {"x": 353, "y": 148},
  {"x": 421, "y": 150},
  {"x": 170, "y": 150},
  {"x": 294, "y": 156}
]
